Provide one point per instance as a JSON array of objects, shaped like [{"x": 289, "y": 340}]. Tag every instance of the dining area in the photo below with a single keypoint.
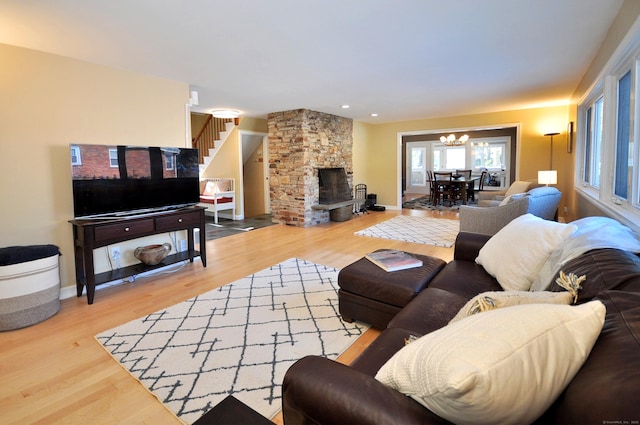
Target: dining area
[{"x": 454, "y": 186}]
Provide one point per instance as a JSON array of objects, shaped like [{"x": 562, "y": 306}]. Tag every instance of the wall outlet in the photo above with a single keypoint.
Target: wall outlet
[
  {"x": 115, "y": 256},
  {"x": 182, "y": 245}
]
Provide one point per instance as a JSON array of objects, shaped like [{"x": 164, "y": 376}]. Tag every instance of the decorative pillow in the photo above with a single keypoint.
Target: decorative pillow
[
  {"x": 211, "y": 188},
  {"x": 515, "y": 254},
  {"x": 509, "y": 199},
  {"x": 487, "y": 301},
  {"x": 224, "y": 185},
  {"x": 518, "y": 187},
  {"x": 504, "y": 366}
]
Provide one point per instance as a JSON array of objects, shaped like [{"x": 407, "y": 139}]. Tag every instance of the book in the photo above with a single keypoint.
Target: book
[{"x": 392, "y": 260}]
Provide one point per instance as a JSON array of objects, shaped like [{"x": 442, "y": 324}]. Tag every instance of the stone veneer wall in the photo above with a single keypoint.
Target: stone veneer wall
[{"x": 300, "y": 142}]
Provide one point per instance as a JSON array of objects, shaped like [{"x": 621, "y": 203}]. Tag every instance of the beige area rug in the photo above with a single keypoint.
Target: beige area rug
[
  {"x": 424, "y": 230},
  {"x": 239, "y": 339}
]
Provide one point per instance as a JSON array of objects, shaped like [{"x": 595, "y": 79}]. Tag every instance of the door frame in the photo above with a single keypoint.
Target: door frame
[
  {"x": 265, "y": 165},
  {"x": 399, "y": 148}
]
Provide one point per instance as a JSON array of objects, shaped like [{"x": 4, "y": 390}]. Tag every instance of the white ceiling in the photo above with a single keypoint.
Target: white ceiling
[{"x": 403, "y": 59}]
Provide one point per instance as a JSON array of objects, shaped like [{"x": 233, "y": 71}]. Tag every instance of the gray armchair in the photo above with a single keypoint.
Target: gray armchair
[
  {"x": 540, "y": 201},
  {"x": 493, "y": 198}
]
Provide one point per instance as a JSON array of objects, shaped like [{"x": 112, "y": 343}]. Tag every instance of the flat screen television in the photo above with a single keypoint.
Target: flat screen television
[{"x": 116, "y": 181}]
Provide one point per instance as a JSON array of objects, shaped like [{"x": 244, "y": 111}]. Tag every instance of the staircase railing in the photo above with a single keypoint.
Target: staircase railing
[{"x": 210, "y": 132}]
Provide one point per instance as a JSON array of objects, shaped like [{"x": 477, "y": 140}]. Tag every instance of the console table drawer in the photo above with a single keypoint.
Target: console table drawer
[
  {"x": 177, "y": 221},
  {"x": 123, "y": 230}
]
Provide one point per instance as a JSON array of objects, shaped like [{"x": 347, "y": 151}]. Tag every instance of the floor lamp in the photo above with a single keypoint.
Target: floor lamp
[
  {"x": 551, "y": 149},
  {"x": 550, "y": 176}
]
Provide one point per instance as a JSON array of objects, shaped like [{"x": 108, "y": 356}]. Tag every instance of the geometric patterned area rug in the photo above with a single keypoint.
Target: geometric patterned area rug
[
  {"x": 238, "y": 339},
  {"x": 425, "y": 203},
  {"x": 425, "y": 230}
]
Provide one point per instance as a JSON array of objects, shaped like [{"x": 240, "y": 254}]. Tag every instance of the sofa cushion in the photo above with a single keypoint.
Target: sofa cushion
[
  {"x": 499, "y": 299},
  {"x": 605, "y": 269},
  {"x": 516, "y": 253},
  {"x": 381, "y": 350},
  {"x": 430, "y": 310},
  {"x": 503, "y": 366},
  {"x": 607, "y": 385},
  {"x": 464, "y": 278}
]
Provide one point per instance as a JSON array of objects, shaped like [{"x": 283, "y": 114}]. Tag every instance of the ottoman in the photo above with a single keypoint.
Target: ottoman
[
  {"x": 29, "y": 285},
  {"x": 373, "y": 295}
]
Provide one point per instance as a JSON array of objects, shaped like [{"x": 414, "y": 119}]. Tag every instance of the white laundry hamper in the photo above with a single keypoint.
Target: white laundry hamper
[{"x": 29, "y": 285}]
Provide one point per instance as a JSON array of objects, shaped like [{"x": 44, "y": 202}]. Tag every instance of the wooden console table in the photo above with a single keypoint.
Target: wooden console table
[{"x": 91, "y": 234}]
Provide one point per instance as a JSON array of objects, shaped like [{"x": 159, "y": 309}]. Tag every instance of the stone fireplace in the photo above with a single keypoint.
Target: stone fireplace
[{"x": 301, "y": 142}]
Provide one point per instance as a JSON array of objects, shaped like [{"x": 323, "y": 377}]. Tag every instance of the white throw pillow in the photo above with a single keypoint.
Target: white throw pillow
[
  {"x": 504, "y": 366},
  {"x": 487, "y": 301},
  {"x": 515, "y": 254}
]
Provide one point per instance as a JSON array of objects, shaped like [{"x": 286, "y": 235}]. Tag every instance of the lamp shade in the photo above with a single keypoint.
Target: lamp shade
[{"x": 548, "y": 177}]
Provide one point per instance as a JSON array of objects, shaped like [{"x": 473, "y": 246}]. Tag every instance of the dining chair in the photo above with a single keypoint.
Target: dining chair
[
  {"x": 432, "y": 189},
  {"x": 483, "y": 177},
  {"x": 470, "y": 185},
  {"x": 443, "y": 182}
]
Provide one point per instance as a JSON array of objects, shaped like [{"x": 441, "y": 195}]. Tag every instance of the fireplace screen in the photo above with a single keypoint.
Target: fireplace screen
[{"x": 333, "y": 185}]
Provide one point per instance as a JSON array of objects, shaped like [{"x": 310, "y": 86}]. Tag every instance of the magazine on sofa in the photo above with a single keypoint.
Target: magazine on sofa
[{"x": 392, "y": 260}]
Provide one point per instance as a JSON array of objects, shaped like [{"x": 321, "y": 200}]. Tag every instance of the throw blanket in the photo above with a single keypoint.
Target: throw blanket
[{"x": 592, "y": 233}]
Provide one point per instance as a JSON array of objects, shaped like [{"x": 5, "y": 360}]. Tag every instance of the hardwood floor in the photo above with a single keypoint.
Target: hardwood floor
[{"x": 56, "y": 372}]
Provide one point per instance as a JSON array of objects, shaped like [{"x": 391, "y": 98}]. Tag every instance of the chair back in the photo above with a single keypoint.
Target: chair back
[
  {"x": 544, "y": 201},
  {"x": 430, "y": 182},
  {"x": 464, "y": 173},
  {"x": 442, "y": 176},
  {"x": 483, "y": 177}
]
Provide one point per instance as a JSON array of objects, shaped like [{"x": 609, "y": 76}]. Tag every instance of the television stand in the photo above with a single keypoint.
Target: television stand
[{"x": 91, "y": 234}]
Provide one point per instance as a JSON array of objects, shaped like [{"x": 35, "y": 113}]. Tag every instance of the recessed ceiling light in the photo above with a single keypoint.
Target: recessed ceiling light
[
  {"x": 345, "y": 106},
  {"x": 374, "y": 114}
]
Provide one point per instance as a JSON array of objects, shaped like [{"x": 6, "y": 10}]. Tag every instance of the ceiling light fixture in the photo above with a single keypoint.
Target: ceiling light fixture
[
  {"x": 345, "y": 106},
  {"x": 225, "y": 113},
  {"x": 374, "y": 114},
  {"x": 452, "y": 141}
]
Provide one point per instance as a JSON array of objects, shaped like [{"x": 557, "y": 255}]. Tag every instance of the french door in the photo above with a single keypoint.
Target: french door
[{"x": 418, "y": 162}]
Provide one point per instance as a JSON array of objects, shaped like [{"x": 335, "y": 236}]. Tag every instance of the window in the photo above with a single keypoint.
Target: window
[
  {"x": 607, "y": 170},
  {"x": 489, "y": 154},
  {"x": 170, "y": 161},
  {"x": 76, "y": 159},
  {"x": 418, "y": 166},
  {"x": 593, "y": 143},
  {"x": 448, "y": 157},
  {"x": 113, "y": 158},
  {"x": 623, "y": 162}
]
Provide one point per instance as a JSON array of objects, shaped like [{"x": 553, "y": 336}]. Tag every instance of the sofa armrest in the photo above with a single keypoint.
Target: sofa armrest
[
  {"x": 468, "y": 245},
  {"x": 489, "y": 195},
  {"x": 317, "y": 390}
]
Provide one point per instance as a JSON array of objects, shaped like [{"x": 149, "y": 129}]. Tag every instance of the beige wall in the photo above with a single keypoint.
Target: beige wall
[
  {"x": 48, "y": 102},
  {"x": 376, "y": 147},
  {"x": 254, "y": 184}
]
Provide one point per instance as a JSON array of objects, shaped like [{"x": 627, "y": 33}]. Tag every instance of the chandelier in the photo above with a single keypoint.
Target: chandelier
[{"x": 452, "y": 141}]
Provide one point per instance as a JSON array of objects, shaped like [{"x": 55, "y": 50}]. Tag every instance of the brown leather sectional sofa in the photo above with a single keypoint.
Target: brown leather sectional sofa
[{"x": 606, "y": 390}]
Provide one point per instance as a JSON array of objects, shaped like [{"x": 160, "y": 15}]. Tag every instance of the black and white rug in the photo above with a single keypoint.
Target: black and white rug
[
  {"x": 425, "y": 203},
  {"x": 238, "y": 339},
  {"x": 407, "y": 228}
]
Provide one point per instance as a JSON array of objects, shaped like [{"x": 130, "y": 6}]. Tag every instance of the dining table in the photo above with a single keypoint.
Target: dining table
[{"x": 459, "y": 182}]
